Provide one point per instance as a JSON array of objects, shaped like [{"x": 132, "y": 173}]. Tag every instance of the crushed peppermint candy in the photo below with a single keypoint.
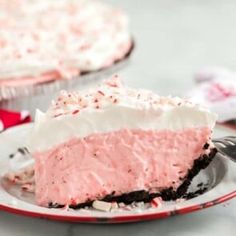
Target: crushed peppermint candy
[
  {"x": 21, "y": 170},
  {"x": 101, "y": 205},
  {"x": 21, "y": 177},
  {"x": 110, "y": 93},
  {"x": 28, "y": 187},
  {"x": 156, "y": 202},
  {"x": 114, "y": 205},
  {"x": 121, "y": 204}
]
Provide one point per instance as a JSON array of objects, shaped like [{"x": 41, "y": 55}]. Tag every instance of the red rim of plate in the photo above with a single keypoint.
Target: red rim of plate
[{"x": 120, "y": 219}]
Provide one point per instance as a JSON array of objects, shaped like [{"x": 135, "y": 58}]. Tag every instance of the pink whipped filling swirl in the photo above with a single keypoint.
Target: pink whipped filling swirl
[{"x": 85, "y": 169}]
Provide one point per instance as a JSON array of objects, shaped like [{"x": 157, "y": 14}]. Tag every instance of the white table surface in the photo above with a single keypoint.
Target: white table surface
[{"x": 173, "y": 39}]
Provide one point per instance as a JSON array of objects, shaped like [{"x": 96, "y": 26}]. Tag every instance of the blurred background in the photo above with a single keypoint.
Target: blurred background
[{"x": 175, "y": 38}]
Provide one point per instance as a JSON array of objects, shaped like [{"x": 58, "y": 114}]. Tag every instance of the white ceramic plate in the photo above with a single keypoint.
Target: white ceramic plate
[{"x": 220, "y": 177}]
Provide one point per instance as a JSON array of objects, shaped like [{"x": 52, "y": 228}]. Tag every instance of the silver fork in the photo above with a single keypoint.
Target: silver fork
[{"x": 226, "y": 147}]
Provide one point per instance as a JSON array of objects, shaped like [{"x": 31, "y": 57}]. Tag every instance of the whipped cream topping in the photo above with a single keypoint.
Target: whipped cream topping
[
  {"x": 110, "y": 93},
  {"x": 62, "y": 37},
  {"x": 111, "y": 107}
]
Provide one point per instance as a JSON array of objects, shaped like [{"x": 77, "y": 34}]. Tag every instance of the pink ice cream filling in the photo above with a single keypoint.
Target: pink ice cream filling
[{"x": 85, "y": 169}]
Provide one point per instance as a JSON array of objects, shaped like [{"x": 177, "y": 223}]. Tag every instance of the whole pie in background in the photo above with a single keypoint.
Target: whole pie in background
[{"x": 42, "y": 41}]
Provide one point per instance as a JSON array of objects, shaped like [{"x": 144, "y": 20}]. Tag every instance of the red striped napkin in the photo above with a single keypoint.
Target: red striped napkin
[{"x": 12, "y": 118}]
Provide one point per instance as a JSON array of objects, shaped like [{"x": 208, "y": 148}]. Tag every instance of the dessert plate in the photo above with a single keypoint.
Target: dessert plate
[{"x": 219, "y": 179}]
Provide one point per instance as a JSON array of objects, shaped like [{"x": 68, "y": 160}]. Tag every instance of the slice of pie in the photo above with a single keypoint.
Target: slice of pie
[{"x": 114, "y": 143}]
